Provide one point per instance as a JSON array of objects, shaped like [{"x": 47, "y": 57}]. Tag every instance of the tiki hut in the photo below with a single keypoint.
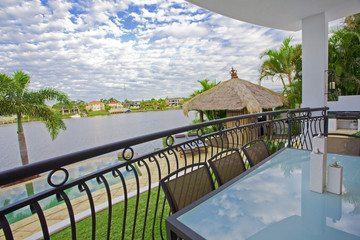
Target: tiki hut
[{"x": 237, "y": 97}]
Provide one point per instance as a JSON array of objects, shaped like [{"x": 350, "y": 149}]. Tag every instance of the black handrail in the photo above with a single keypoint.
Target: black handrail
[{"x": 32, "y": 169}]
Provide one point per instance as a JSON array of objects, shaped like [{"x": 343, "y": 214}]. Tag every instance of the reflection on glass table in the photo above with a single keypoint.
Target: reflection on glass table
[{"x": 273, "y": 201}]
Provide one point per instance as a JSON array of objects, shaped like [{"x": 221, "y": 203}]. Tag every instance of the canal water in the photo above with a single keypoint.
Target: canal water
[
  {"x": 87, "y": 132},
  {"x": 81, "y": 133}
]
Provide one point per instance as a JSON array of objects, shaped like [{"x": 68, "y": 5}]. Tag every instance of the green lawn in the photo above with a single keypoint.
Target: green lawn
[
  {"x": 98, "y": 113},
  {"x": 84, "y": 229}
]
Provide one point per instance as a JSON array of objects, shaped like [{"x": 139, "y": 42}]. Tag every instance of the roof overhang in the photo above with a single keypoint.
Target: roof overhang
[{"x": 279, "y": 14}]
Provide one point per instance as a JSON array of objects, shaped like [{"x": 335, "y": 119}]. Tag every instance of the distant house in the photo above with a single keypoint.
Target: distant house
[
  {"x": 8, "y": 119},
  {"x": 174, "y": 101},
  {"x": 66, "y": 111},
  {"x": 96, "y": 106},
  {"x": 133, "y": 105},
  {"x": 116, "y": 107}
]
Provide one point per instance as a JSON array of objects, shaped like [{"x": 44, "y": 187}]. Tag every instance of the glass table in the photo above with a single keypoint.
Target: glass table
[{"x": 273, "y": 201}]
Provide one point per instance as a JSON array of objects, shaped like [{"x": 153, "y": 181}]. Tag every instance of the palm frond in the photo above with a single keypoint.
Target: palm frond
[{"x": 22, "y": 81}]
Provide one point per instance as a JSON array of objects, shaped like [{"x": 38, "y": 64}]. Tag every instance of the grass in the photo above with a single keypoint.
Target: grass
[
  {"x": 98, "y": 113},
  {"x": 83, "y": 228}
]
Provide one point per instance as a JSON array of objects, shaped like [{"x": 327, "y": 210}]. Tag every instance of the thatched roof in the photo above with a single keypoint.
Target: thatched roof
[{"x": 235, "y": 94}]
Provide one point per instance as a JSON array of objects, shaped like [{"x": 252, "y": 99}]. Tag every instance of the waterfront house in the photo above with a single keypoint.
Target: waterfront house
[
  {"x": 95, "y": 106},
  {"x": 116, "y": 107},
  {"x": 67, "y": 111},
  {"x": 174, "y": 101},
  {"x": 132, "y": 105},
  {"x": 149, "y": 106}
]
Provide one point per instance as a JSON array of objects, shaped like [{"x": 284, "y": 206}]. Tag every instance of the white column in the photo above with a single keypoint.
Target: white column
[{"x": 314, "y": 60}]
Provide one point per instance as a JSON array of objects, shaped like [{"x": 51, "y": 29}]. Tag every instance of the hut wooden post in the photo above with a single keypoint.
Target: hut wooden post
[
  {"x": 243, "y": 136},
  {"x": 270, "y": 133},
  {"x": 201, "y": 113}
]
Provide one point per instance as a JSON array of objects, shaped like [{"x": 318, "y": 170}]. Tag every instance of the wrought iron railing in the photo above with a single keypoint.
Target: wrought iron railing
[{"x": 130, "y": 204}]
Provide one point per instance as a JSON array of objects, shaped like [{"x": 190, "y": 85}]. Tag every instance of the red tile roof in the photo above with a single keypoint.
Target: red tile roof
[{"x": 95, "y": 102}]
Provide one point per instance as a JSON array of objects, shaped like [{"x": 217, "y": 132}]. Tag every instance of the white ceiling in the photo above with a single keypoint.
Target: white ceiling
[{"x": 279, "y": 14}]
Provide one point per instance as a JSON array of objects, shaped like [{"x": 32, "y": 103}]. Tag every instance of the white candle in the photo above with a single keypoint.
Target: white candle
[
  {"x": 320, "y": 142},
  {"x": 334, "y": 179}
]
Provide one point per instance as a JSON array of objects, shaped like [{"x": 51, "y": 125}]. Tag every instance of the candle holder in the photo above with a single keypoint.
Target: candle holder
[
  {"x": 317, "y": 171},
  {"x": 334, "y": 178}
]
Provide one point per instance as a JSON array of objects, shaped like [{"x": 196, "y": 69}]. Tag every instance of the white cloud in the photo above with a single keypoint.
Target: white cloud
[
  {"x": 25, "y": 12},
  {"x": 182, "y": 30},
  {"x": 59, "y": 8},
  {"x": 156, "y": 48}
]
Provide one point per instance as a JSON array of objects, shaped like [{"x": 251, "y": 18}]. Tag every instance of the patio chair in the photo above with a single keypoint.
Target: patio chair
[
  {"x": 187, "y": 185},
  {"x": 227, "y": 165},
  {"x": 344, "y": 144},
  {"x": 255, "y": 151}
]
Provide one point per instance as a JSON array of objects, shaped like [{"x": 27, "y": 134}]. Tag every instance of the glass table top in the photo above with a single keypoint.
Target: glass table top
[{"x": 274, "y": 202}]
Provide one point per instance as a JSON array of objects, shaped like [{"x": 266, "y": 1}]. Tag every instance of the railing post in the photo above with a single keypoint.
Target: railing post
[
  {"x": 289, "y": 128},
  {"x": 308, "y": 128},
  {"x": 326, "y": 122}
]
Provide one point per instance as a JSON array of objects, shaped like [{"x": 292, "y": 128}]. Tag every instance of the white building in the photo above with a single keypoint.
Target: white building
[
  {"x": 95, "y": 106},
  {"x": 116, "y": 107}
]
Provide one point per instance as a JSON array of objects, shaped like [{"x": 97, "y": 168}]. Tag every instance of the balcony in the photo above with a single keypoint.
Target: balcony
[{"x": 134, "y": 207}]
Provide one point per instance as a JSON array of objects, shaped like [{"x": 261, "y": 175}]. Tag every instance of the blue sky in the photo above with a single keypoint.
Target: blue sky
[{"x": 151, "y": 48}]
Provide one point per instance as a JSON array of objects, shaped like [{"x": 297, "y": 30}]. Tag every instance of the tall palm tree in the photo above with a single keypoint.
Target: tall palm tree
[
  {"x": 282, "y": 64},
  {"x": 15, "y": 98}
]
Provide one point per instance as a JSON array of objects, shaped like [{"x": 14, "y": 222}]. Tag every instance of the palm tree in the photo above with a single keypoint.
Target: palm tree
[
  {"x": 142, "y": 104},
  {"x": 15, "y": 98},
  {"x": 352, "y": 23},
  {"x": 344, "y": 52},
  {"x": 206, "y": 85},
  {"x": 282, "y": 64},
  {"x": 162, "y": 104},
  {"x": 82, "y": 106},
  {"x": 294, "y": 94}
]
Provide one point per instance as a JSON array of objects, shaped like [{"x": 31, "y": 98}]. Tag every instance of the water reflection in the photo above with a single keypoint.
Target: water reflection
[
  {"x": 265, "y": 205},
  {"x": 351, "y": 180}
]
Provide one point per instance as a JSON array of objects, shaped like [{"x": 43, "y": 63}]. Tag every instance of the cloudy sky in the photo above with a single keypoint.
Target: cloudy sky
[{"x": 133, "y": 49}]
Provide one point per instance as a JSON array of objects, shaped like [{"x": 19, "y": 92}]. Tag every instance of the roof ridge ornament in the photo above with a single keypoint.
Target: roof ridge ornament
[{"x": 233, "y": 73}]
